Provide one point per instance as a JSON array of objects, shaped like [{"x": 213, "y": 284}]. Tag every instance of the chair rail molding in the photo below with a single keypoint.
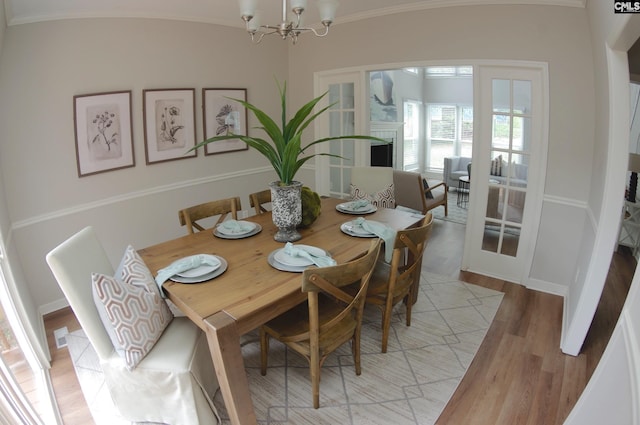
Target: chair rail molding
[{"x": 138, "y": 194}]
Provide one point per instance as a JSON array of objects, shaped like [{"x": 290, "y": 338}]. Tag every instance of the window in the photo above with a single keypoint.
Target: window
[
  {"x": 449, "y": 133},
  {"x": 448, "y": 71},
  {"x": 411, "y": 146}
]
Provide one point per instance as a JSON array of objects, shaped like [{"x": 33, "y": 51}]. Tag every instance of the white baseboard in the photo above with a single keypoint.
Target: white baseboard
[
  {"x": 53, "y": 306},
  {"x": 547, "y": 287}
]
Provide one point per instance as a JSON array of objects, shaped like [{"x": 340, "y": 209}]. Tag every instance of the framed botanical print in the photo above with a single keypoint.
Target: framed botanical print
[
  {"x": 103, "y": 132},
  {"x": 223, "y": 115},
  {"x": 169, "y": 124}
]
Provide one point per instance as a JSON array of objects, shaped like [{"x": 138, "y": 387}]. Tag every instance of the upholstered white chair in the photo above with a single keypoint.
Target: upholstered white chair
[
  {"x": 373, "y": 183},
  {"x": 174, "y": 383}
]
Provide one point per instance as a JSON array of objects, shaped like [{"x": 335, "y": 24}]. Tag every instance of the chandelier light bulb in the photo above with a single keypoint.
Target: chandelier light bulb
[
  {"x": 247, "y": 7},
  {"x": 327, "y": 10},
  {"x": 298, "y": 5}
]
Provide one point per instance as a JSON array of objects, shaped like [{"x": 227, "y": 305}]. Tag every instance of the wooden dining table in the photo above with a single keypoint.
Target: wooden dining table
[{"x": 251, "y": 292}]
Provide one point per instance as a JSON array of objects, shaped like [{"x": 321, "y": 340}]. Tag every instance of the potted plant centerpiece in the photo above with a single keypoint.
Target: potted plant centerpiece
[{"x": 286, "y": 154}]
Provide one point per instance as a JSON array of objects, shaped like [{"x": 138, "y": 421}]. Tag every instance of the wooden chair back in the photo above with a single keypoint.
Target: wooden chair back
[
  {"x": 330, "y": 318},
  {"x": 257, "y": 200},
  {"x": 330, "y": 280},
  {"x": 222, "y": 208},
  {"x": 399, "y": 280}
]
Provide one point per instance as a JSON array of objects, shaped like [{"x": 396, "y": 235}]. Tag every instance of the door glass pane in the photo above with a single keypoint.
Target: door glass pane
[
  {"x": 491, "y": 236},
  {"x": 495, "y": 201},
  {"x": 348, "y": 152},
  {"x": 334, "y": 124},
  {"x": 510, "y": 240},
  {"x": 518, "y": 170},
  {"x": 501, "y": 131},
  {"x": 501, "y": 96},
  {"x": 335, "y": 181},
  {"x": 498, "y": 165},
  {"x": 348, "y": 123},
  {"x": 515, "y": 205},
  {"x": 522, "y": 97},
  {"x": 334, "y": 149},
  {"x": 516, "y": 138},
  {"x": 346, "y": 181},
  {"x": 334, "y": 96},
  {"x": 347, "y": 96}
]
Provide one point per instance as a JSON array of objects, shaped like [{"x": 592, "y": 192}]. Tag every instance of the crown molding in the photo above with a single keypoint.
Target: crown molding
[{"x": 196, "y": 11}]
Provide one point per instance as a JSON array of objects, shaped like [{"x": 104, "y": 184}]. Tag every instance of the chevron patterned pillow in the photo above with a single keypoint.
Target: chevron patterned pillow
[
  {"x": 132, "y": 310},
  {"x": 384, "y": 198}
]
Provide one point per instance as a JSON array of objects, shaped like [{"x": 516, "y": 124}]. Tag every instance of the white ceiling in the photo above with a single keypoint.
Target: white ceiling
[{"x": 226, "y": 12}]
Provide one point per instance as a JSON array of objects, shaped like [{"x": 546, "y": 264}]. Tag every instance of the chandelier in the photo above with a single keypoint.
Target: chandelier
[{"x": 287, "y": 29}]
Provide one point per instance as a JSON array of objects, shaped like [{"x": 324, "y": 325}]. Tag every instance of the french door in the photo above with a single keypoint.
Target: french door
[
  {"x": 507, "y": 177},
  {"x": 346, "y": 116}
]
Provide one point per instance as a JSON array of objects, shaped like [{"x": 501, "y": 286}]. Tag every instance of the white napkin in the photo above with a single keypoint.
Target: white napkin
[
  {"x": 359, "y": 204},
  {"x": 182, "y": 265},
  {"x": 236, "y": 227},
  {"x": 318, "y": 260},
  {"x": 383, "y": 232}
]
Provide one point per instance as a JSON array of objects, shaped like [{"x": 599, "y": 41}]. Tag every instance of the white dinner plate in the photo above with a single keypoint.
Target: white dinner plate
[
  {"x": 227, "y": 232},
  {"x": 283, "y": 267},
  {"x": 352, "y": 230},
  {"x": 202, "y": 270},
  {"x": 347, "y": 209},
  {"x": 203, "y": 278},
  {"x": 257, "y": 229},
  {"x": 282, "y": 257}
]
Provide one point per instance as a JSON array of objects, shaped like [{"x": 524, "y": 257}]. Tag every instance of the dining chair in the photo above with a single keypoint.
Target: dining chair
[
  {"x": 221, "y": 207},
  {"x": 398, "y": 280},
  {"x": 174, "y": 383},
  {"x": 330, "y": 317},
  {"x": 258, "y": 200}
]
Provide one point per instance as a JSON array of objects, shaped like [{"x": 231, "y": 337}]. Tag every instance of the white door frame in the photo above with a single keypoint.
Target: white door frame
[
  {"x": 584, "y": 299},
  {"x": 611, "y": 395},
  {"x": 513, "y": 269}
]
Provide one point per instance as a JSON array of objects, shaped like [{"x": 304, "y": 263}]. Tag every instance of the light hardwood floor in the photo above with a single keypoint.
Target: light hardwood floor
[{"x": 519, "y": 375}]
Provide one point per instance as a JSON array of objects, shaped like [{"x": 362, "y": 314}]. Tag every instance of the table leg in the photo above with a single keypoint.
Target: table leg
[{"x": 224, "y": 343}]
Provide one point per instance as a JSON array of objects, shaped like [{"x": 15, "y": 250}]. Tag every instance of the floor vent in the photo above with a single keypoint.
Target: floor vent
[{"x": 61, "y": 337}]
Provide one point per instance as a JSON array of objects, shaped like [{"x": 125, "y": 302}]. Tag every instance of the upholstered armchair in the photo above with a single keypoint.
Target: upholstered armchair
[
  {"x": 454, "y": 168},
  {"x": 414, "y": 192}
]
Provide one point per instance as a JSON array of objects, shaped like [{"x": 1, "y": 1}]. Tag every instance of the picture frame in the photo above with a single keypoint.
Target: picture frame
[
  {"x": 169, "y": 124},
  {"x": 220, "y": 115},
  {"x": 382, "y": 102},
  {"x": 103, "y": 132}
]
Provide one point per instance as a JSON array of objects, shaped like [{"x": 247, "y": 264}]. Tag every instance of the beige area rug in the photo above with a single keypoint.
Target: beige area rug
[
  {"x": 456, "y": 214},
  {"x": 410, "y": 384}
]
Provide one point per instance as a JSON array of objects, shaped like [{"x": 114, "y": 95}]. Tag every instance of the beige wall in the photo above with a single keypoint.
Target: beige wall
[
  {"x": 44, "y": 65},
  {"x": 558, "y": 36}
]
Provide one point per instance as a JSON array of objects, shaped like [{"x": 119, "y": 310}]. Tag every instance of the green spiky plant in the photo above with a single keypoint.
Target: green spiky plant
[{"x": 284, "y": 152}]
